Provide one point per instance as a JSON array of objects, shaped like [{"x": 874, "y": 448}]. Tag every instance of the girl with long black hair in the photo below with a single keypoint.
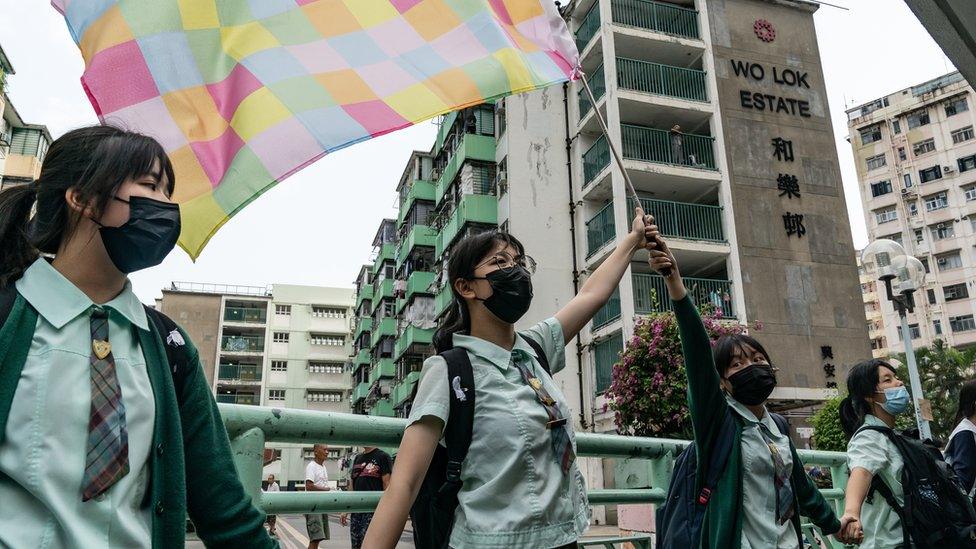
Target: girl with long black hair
[
  {"x": 961, "y": 451},
  {"x": 521, "y": 484},
  {"x": 100, "y": 446}
]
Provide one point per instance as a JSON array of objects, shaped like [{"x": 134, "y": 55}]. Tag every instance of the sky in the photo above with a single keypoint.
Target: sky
[{"x": 317, "y": 227}]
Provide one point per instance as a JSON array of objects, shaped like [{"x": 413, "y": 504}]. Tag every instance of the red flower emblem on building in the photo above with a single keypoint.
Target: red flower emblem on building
[{"x": 764, "y": 30}]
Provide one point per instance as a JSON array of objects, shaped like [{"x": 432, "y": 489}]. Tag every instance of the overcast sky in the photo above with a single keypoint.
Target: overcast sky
[{"x": 317, "y": 227}]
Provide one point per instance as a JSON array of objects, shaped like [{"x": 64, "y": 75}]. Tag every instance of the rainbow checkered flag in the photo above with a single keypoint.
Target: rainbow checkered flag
[{"x": 244, "y": 93}]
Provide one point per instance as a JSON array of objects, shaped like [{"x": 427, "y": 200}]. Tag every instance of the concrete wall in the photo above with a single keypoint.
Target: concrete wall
[
  {"x": 199, "y": 316},
  {"x": 804, "y": 290}
]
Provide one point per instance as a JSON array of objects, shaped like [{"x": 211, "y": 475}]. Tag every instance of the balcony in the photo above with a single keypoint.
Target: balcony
[
  {"x": 246, "y": 315},
  {"x": 419, "y": 190},
  {"x": 242, "y": 344},
  {"x": 651, "y": 294},
  {"x": 363, "y": 357},
  {"x": 595, "y": 160},
  {"x": 657, "y": 17},
  {"x": 249, "y": 399},
  {"x": 239, "y": 373},
  {"x": 418, "y": 283},
  {"x": 387, "y": 253},
  {"x": 472, "y": 147},
  {"x": 650, "y": 78},
  {"x": 605, "y": 355},
  {"x": 412, "y": 335},
  {"x": 589, "y": 27},
  {"x": 443, "y": 300},
  {"x": 383, "y": 407},
  {"x": 383, "y": 291},
  {"x": 360, "y": 392},
  {"x": 608, "y": 313},
  {"x": 383, "y": 369},
  {"x": 404, "y": 389},
  {"x": 364, "y": 326},
  {"x": 473, "y": 208},
  {"x": 598, "y": 85},
  {"x": 684, "y": 220},
  {"x": 419, "y": 235},
  {"x": 654, "y": 145},
  {"x": 365, "y": 294},
  {"x": 600, "y": 230},
  {"x": 385, "y": 328}
]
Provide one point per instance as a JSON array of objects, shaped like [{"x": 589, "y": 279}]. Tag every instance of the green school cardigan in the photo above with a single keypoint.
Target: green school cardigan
[
  {"x": 192, "y": 467},
  {"x": 722, "y": 524}
]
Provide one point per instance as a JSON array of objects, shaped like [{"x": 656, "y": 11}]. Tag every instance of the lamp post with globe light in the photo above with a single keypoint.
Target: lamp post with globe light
[{"x": 902, "y": 275}]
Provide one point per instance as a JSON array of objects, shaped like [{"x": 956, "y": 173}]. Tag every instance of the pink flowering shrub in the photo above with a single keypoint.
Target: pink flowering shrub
[{"x": 648, "y": 391}]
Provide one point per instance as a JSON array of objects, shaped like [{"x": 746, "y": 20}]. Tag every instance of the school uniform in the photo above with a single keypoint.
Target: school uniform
[
  {"x": 516, "y": 493},
  {"x": 874, "y": 452},
  {"x": 961, "y": 454},
  {"x": 742, "y": 511},
  {"x": 178, "y": 454}
]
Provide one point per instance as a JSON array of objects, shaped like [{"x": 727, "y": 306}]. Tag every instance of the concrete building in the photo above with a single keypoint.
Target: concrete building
[
  {"x": 873, "y": 294},
  {"x": 22, "y": 145},
  {"x": 916, "y": 161},
  {"x": 284, "y": 346}
]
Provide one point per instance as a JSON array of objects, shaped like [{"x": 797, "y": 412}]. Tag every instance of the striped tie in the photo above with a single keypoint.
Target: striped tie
[
  {"x": 562, "y": 445},
  {"x": 107, "y": 458}
]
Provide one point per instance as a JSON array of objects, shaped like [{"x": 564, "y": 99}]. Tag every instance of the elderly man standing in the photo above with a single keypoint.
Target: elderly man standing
[{"x": 317, "y": 480}]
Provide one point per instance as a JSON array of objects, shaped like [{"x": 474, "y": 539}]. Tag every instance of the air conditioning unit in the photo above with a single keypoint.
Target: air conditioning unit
[
  {"x": 940, "y": 226},
  {"x": 947, "y": 168},
  {"x": 906, "y": 192}
]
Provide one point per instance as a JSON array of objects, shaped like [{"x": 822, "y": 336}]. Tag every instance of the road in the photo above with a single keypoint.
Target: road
[{"x": 293, "y": 535}]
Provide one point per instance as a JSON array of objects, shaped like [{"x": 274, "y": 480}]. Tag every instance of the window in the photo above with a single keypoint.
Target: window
[
  {"x": 967, "y": 163},
  {"x": 901, "y": 154},
  {"x": 276, "y": 394},
  {"x": 324, "y": 396},
  {"x": 895, "y": 237},
  {"x": 963, "y": 323},
  {"x": 880, "y": 188},
  {"x": 896, "y": 126},
  {"x": 325, "y": 367},
  {"x": 919, "y": 236},
  {"x": 913, "y": 208},
  {"x": 281, "y": 337},
  {"x": 970, "y": 193},
  {"x": 284, "y": 310},
  {"x": 942, "y": 231},
  {"x": 972, "y": 222},
  {"x": 962, "y": 134},
  {"x": 908, "y": 180},
  {"x": 328, "y": 312},
  {"x": 912, "y": 330},
  {"x": 918, "y": 118},
  {"x": 949, "y": 261},
  {"x": 936, "y": 201},
  {"x": 326, "y": 339},
  {"x": 955, "y": 292},
  {"x": 931, "y": 295},
  {"x": 956, "y": 106},
  {"x": 877, "y": 161},
  {"x": 925, "y": 263},
  {"x": 279, "y": 365},
  {"x": 923, "y": 147},
  {"x": 930, "y": 174},
  {"x": 937, "y": 326},
  {"x": 871, "y": 134},
  {"x": 885, "y": 215}
]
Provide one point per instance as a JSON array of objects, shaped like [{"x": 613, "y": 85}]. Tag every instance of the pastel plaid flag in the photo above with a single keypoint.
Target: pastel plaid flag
[{"x": 244, "y": 93}]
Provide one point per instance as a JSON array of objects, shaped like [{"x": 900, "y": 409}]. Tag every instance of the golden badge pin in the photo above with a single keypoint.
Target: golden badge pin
[
  {"x": 101, "y": 348},
  {"x": 536, "y": 383}
]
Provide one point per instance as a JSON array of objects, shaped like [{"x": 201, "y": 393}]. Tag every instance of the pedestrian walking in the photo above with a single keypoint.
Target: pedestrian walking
[
  {"x": 317, "y": 480},
  {"x": 370, "y": 472},
  {"x": 272, "y": 519},
  {"x": 762, "y": 488},
  {"x": 109, "y": 433},
  {"x": 520, "y": 486},
  {"x": 961, "y": 451}
]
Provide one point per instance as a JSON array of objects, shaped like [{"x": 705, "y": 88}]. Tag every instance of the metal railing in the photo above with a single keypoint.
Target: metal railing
[
  {"x": 242, "y": 344},
  {"x": 595, "y": 159},
  {"x": 588, "y": 27},
  {"x": 658, "y": 79},
  {"x": 605, "y": 355},
  {"x": 609, "y": 312},
  {"x": 664, "y": 147},
  {"x": 242, "y": 399},
  {"x": 600, "y": 230},
  {"x": 245, "y": 314},
  {"x": 239, "y": 372},
  {"x": 656, "y": 16},
  {"x": 598, "y": 85},
  {"x": 683, "y": 219},
  {"x": 250, "y": 427},
  {"x": 651, "y": 294}
]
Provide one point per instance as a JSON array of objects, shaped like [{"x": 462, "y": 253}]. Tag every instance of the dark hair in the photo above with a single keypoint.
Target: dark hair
[
  {"x": 725, "y": 347},
  {"x": 94, "y": 160},
  {"x": 967, "y": 401},
  {"x": 862, "y": 382},
  {"x": 465, "y": 256}
]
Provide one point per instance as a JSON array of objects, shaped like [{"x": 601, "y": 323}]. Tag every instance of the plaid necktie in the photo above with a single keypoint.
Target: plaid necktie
[
  {"x": 107, "y": 457},
  {"x": 781, "y": 478},
  {"x": 558, "y": 425}
]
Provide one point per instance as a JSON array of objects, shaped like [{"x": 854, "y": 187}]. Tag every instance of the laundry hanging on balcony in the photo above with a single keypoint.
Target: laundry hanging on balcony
[{"x": 244, "y": 94}]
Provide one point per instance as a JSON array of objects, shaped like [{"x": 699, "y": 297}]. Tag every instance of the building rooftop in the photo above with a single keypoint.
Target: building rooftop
[
  {"x": 917, "y": 90},
  {"x": 219, "y": 289}
]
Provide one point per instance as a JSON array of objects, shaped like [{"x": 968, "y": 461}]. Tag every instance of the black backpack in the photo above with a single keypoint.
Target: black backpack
[
  {"x": 679, "y": 519},
  {"x": 432, "y": 512},
  {"x": 176, "y": 354},
  {"x": 937, "y": 513}
]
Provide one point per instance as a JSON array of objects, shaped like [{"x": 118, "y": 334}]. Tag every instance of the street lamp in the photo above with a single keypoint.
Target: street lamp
[{"x": 902, "y": 275}]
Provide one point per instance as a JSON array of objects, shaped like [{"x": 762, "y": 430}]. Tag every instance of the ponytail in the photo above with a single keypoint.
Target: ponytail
[
  {"x": 18, "y": 253},
  {"x": 456, "y": 321},
  {"x": 852, "y": 414},
  {"x": 862, "y": 382}
]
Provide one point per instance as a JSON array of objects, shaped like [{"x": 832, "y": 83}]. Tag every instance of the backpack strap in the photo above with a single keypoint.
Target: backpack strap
[
  {"x": 460, "y": 422},
  {"x": 781, "y": 423},
  {"x": 176, "y": 352},
  {"x": 540, "y": 353},
  {"x": 719, "y": 458},
  {"x": 881, "y": 487}
]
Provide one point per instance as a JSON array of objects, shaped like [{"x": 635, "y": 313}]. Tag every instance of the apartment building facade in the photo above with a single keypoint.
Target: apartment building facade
[{"x": 22, "y": 145}]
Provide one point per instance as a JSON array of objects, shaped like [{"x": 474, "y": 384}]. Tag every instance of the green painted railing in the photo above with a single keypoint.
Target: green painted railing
[
  {"x": 648, "y": 462},
  {"x": 683, "y": 219},
  {"x": 609, "y": 312},
  {"x": 600, "y": 230},
  {"x": 383, "y": 328},
  {"x": 605, "y": 355},
  {"x": 598, "y": 85},
  {"x": 656, "y": 16},
  {"x": 383, "y": 290},
  {"x": 410, "y": 336},
  {"x": 481, "y": 209},
  {"x": 363, "y": 327},
  {"x": 651, "y": 294},
  {"x": 365, "y": 294},
  {"x": 363, "y": 357},
  {"x": 418, "y": 235},
  {"x": 442, "y": 301},
  {"x": 419, "y": 190},
  {"x": 658, "y": 79},
  {"x": 659, "y": 146},
  {"x": 238, "y": 372},
  {"x": 385, "y": 368},
  {"x": 242, "y": 344},
  {"x": 595, "y": 159},
  {"x": 246, "y": 314},
  {"x": 360, "y": 392},
  {"x": 382, "y": 408},
  {"x": 387, "y": 252},
  {"x": 588, "y": 27}
]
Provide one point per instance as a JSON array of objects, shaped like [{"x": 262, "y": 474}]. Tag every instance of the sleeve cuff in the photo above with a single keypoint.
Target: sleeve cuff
[{"x": 433, "y": 409}]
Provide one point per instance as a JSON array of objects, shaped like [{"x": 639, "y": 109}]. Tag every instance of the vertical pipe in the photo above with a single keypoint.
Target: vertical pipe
[
  {"x": 248, "y": 450},
  {"x": 923, "y": 426}
]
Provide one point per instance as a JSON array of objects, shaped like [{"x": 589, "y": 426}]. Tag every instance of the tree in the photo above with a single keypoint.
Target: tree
[
  {"x": 648, "y": 390},
  {"x": 943, "y": 370},
  {"x": 828, "y": 435}
]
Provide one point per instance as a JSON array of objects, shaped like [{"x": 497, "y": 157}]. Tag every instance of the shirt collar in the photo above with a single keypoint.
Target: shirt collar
[
  {"x": 494, "y": 354},
  {"x": 746, "y": 414},
  {"x": 59, "y": 301}
]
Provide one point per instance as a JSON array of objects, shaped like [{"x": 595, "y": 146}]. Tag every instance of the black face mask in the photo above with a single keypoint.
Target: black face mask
[
  {"x": 753, "y": 384},
  {"x": 511, "y": 293},
  {"x": 146, "y": 238}
]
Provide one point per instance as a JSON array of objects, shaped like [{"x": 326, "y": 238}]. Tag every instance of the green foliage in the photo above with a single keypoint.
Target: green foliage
[{"x": 828, "y": 435}]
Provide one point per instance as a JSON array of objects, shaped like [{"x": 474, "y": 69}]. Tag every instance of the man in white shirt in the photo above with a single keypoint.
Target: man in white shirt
[
  {"x": 272, "y": 519},
  {"x": 317, "y": 480}
]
